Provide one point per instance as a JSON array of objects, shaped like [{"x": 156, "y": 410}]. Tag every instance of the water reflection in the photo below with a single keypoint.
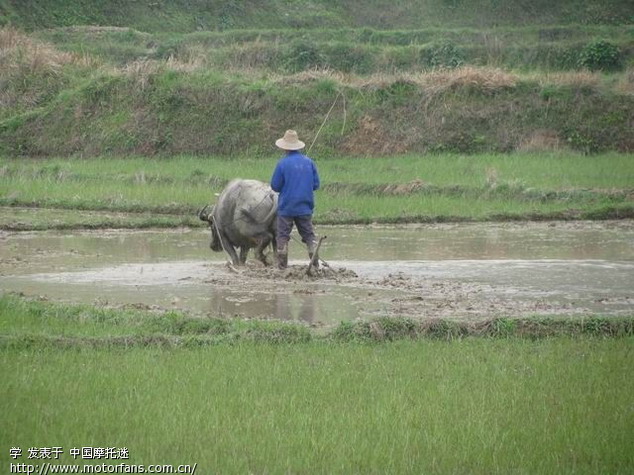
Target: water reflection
[
  {"x": 293, "y": 307},
  {"x": 281, "y": 306}
]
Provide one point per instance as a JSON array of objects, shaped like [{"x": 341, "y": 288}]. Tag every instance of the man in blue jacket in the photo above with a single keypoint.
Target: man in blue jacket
[{"x": 295, "y": 178}]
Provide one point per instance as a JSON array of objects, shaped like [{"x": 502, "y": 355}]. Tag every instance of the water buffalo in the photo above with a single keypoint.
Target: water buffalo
[{"x": 243, "y": 217}]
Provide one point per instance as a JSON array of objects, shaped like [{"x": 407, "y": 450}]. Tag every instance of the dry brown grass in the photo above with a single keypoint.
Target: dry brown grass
[
  {"x": 626, "y": 83},
  {"x": 576, "y": 79},
  {"x": 488, "y": 80},
  {"x": 541, "y": 141},
  {"x": 23, "y": 59},
  {"x": 95, "y": 29},
  {"x": 21, "y": 53},
  {"x": 142, "y": 70},
  {"x": 312, "y": 75},
  {"x": 483, "y": 79},
  {"x": 189, "y": 58},
  {"x": 253, "y": 55}
]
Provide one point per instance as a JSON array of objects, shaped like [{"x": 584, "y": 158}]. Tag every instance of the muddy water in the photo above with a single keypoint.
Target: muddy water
[{"x": 428, "y": 271}]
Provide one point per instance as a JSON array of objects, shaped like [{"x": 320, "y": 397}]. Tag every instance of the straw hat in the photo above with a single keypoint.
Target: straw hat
[{"x": 290, "y": 141}]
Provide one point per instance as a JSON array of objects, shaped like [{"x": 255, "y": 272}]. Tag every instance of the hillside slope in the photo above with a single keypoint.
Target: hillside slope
[
  {"x": 193, "y": 15},
  {"x": 57, "y": 103},
  {"x": 133, "y": 87}
]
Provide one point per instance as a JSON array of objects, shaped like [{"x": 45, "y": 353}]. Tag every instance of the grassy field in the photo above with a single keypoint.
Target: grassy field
[
  {"x": 269, "y": 398},
  {"x": 168, "y": 192},
  {"x": 410, "y": 407}
]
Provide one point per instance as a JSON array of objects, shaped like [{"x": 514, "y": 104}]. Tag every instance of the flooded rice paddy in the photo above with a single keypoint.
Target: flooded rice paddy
[{"x": 462, "y": 271}]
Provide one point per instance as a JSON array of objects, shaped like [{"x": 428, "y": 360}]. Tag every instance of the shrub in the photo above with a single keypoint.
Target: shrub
[
  {"x": 443, "y": 55},
  {"x": 502, "y": 327},
  {"x": 446, "y": 330},
  {"x": 398, "y": 93},
  {"x": 350, "y": 58},
  {"x": 601, "y": 55},
  {"x": 303, "y": 55},
  {"x": 582, "y": 141}
]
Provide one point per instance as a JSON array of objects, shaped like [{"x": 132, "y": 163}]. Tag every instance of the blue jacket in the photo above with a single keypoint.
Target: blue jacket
[{"x": 295, "y": 178}]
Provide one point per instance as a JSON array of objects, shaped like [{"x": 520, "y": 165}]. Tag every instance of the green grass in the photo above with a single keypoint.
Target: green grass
[
  {"x": 253, "y": 396},
  {"x": 363, "y": 209},
  {"x": 477, "y": 406},
  {"x": 40, "y": 219},
  {"x": 25, "y": 323},
  {"x": 167, "y": 192},
  {"x": 190, "y": 15},
  {"x": 31, "y": 324},
  {"x": 538, "y": 170}
]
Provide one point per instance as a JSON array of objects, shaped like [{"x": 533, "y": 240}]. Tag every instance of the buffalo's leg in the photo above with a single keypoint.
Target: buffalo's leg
[
  {"x": 263, "y": 242},
  {"x": 274, "y": 246}
]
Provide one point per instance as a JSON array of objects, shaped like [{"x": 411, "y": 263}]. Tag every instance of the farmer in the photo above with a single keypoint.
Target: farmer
[{"x": 295, "y": 178}]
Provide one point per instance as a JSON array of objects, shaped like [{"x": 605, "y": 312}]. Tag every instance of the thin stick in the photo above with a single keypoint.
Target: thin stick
[
  {"x": 222, "y": 244},
  {"x": 313, "y": 260},
  {"x": 324, "y": 263},
  {"x": 324, "y": 122},
  {"x": 345, "y": 113}
]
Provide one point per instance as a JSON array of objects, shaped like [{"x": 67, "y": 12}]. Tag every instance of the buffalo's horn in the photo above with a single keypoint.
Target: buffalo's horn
[{"x": 202, "y": 215}]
